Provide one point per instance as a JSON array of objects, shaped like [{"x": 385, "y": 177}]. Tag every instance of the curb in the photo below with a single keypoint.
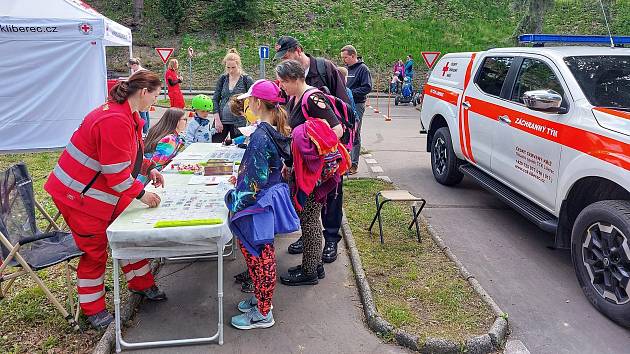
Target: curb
[
  {"x": 487, "y": 343},
  {"x": 106, "y": 344}
]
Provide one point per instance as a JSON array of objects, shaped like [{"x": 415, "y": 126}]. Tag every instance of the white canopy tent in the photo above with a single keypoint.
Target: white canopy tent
[{"x": 53, "y": 69}]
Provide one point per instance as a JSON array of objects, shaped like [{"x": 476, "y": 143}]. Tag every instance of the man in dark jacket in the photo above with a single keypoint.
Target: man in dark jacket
[
  {"x": 323, "y": 74},
  {"x": 360, "y": 83}
]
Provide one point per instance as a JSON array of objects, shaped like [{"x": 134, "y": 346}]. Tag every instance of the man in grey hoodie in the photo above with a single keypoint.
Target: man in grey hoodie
[{"x": 360, "y": 83}]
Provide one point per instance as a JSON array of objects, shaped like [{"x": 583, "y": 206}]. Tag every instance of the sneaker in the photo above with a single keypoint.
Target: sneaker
[
  {"x": 353, "y": 169},
  {"x": 247, "y": 286},
  {"x": 253, "y": 319},
  {"x": 153, "y": 293},
  {"x": 100, "y": 320},
  {"x": 321, "y": 273},
  {"x": 242, "y": 277},
  {"x": 248, "y": 304},
  {"x": 296, "y": 247}
]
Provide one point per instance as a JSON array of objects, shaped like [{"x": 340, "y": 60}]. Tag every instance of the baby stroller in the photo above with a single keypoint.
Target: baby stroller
[{"x": 406, "y": 92}]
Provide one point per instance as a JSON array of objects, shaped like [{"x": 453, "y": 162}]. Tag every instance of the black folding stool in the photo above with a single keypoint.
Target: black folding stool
[{"x": 398, "y": 195}]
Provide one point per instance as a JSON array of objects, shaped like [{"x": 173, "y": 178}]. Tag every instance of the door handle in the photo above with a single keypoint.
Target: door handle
[
  {"x": 505, "y": 119},
  {"x": 466, "y": 104}
]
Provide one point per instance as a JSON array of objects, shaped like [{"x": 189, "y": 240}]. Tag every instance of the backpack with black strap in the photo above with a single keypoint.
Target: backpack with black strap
[{"x": 344, "y": 113}]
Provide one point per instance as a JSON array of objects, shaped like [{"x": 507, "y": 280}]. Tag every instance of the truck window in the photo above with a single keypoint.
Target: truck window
[
  {"x": 535, "y": 74},
  {"x": 493, "y": 72},
  {"x": 605, "y": 80}
]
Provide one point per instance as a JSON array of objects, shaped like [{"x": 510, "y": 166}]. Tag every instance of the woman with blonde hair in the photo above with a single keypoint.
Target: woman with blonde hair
[
  {"x": 233, "y": 82},
  {"x": 173, "y": 79}
]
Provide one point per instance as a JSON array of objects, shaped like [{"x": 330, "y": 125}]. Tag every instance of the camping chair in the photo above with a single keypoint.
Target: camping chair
[
  {"x": 398, "y": 195},
  {"x": 24, "y": 246}
]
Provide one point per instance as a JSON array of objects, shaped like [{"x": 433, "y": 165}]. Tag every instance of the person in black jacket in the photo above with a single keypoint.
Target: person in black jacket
[
  {"x": 323, "y": 74},
  {"x": 360, "y": 83}
]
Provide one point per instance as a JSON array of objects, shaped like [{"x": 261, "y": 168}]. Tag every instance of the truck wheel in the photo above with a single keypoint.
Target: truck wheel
[
  {"x": 444, "y": 163},
  {"x": 600, "y": 251}
]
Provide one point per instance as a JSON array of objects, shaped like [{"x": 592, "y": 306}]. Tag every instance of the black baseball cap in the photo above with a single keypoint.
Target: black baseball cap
[{"x": 283, "y": 45}]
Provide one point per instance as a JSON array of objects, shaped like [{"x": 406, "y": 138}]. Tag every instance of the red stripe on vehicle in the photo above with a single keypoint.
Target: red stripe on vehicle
[
  {"x": 464, "y": 114},
  {"x": 441, "y": 94},
  {"x": 614, "y": 112},
  {"x": 599, "y": 146}
]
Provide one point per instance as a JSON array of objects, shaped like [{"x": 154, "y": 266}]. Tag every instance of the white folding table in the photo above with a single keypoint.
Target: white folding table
[{"x": 132, "y": 236}]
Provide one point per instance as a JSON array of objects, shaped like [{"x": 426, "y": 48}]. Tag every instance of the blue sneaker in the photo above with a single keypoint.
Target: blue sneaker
[
  {"x": 253, "y": 319},
  {"x": 247, "y": 304}
]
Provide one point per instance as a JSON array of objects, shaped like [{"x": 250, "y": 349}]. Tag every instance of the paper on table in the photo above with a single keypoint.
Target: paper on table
[
  {"x": 207, "y": 180},
  {"x": 248, "y": 130}
]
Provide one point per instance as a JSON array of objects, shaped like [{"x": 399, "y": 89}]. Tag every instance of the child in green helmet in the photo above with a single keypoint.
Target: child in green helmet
[{"x": 200, "y": 129}]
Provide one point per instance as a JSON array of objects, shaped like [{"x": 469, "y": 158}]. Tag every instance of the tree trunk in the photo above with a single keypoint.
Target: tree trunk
[
  {"x": 138, "y": 9},
  {"x": 533, "y": 18}
]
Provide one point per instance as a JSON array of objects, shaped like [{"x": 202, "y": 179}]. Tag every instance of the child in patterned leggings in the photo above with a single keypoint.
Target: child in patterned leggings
[{"x": 261, "y": 202}]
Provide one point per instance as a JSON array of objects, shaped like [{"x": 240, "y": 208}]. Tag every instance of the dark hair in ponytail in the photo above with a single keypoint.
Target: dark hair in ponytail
[{"x": 143, "y": 79}]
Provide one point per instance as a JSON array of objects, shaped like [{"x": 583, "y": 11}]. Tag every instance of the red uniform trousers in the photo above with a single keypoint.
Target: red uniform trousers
[
  {"x": 177, "y": 98},
  {"x": 90, "y": 236}
]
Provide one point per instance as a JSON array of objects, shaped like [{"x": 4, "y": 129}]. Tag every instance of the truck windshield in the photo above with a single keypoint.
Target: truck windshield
[{"x": 605, "y": 80}]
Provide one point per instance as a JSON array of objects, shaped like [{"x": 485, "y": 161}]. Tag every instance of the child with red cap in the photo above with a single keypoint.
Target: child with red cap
[{"x": 260, "y": 201}]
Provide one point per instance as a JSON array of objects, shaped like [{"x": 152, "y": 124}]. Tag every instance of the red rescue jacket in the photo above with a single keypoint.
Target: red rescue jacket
[{"x": 97, "y": 171}]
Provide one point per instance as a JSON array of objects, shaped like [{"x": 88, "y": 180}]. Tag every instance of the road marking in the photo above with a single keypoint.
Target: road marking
[
  {"x": 377, "y": 169},
  {"x": 370, "y": 161}
]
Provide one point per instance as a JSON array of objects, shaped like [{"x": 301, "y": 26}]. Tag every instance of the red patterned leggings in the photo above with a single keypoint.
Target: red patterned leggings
[{"x": 262, "y": 270}]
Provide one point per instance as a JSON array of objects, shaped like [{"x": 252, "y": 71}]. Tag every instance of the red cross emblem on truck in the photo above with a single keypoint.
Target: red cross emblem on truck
[
  {"x": 85, "y": 28},
  {"x": 445, "y": 69}
]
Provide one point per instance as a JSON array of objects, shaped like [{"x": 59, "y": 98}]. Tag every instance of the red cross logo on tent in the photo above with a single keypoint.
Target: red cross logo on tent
[
  {"x": 164, "y": 53},
  {"x": 85, "y": 28},
  {"x": 445, "y": 69},
  {"x": 430, "y": 58}
]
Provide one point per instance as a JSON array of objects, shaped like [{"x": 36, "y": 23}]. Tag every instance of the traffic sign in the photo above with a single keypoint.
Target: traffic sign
[
  {"x": 191, "y": 52},
  {"x": 164, "y": 53},
  {"x": 430, "y": 58},
  {"x": 263, "y": 52}
]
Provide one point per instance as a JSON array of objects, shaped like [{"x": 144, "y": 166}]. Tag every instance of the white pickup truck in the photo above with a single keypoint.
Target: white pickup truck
[{"x": 548, "y": 131}]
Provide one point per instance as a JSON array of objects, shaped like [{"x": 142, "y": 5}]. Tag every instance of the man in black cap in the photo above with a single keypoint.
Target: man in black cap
[{"x": 323, "y": 74}]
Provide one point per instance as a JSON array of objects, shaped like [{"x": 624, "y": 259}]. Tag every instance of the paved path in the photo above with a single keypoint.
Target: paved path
[
  {"x": 326, "y": 318},
  {"x": 506, "y": 253}
]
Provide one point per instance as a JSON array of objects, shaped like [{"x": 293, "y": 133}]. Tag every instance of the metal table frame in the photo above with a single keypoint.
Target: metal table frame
[{"x": 218, "y": 336}]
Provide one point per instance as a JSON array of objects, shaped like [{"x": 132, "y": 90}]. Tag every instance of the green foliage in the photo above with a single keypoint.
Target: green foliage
[
  {"x": 228, "y": 13},
  {"x": 381, "y": 31},
  {"x": 174, "y": 11}
]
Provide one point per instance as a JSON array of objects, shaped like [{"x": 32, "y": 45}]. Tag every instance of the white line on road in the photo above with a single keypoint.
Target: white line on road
[{"x": 377, "y": 169}]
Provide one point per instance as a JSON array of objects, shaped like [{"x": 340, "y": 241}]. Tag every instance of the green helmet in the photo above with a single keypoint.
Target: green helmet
[{"x": 202, "y": 103}]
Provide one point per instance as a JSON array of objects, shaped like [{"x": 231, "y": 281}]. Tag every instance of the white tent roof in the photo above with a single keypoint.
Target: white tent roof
[{"x": 58, "y": 12}]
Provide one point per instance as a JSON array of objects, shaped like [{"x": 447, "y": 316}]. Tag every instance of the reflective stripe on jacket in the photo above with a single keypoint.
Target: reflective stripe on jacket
[{"x": 96, "y": 172}]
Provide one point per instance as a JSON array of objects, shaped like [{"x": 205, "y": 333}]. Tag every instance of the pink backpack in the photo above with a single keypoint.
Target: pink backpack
[{"x": 344, "y": 115}]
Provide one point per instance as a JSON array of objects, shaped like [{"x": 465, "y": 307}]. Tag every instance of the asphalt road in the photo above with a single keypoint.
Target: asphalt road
[{"x": 509, "y": 256}]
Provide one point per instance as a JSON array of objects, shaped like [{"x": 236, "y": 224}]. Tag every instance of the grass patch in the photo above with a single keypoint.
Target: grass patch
[
  {"x": 381, "y": 31},
  {"x": 167, "y": 103},
  {"x": 415, "y": 286},
  {"x": 29, "y": 323}
]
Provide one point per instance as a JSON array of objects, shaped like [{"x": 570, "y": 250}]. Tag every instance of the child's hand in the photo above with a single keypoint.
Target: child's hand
[{"x": 232, "y": 180}]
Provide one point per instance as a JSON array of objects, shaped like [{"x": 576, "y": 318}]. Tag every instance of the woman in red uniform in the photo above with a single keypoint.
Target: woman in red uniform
[
  {"x": 173, "y": 79},
  {"x": 95, "y": 180}
]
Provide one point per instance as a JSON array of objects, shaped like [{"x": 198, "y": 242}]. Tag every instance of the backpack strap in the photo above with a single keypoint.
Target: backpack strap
[
  {"x": 304, "y": 102},
  {"x": 321, "y": 71}
]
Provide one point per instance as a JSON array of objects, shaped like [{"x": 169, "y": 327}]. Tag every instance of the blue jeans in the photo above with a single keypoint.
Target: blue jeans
[{"x": 145, "y": 117}]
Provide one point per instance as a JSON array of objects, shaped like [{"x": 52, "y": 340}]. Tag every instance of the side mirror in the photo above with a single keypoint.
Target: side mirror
[{"x": 544, "y": 100}]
